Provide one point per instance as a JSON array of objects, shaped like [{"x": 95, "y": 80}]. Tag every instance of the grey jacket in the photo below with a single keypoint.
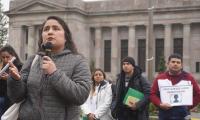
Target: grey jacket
[{"x": 54, "y": 97}]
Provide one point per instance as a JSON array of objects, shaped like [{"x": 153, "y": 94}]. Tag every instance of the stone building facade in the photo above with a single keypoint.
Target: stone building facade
[{"x": 107, "y": 31}]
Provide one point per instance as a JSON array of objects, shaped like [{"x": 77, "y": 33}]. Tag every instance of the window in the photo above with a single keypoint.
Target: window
[
  {"x": 124, "y": 49},
  {"x": 107, "y": 55},
  {"x": 159, "y": 53},
  {"x": 197, "y": 67},
  {"x": 178, "y": 46},
  {"x": 142, "y": 54}
]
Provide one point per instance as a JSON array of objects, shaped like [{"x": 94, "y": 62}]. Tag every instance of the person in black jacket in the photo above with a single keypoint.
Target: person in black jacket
[
  {"x": 6, "y": 54},
  {"x": 130, "y": 77}
]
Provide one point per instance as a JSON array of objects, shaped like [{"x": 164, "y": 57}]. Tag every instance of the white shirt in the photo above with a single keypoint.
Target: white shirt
[
  {"x": 93, "y": 100},
  {"x": 99, "y": 103}
]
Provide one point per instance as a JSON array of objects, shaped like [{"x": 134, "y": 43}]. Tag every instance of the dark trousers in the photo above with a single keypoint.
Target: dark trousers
[
  {"x": 2, "y": 105},
  {"x": 175, "y": 113},
  {"x": 127, "y": 116}
]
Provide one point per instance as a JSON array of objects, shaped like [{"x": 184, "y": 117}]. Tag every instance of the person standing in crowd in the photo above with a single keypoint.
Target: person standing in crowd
[
  {"x": 7, "y": 52},
  {"x": 130, "y": 77},
  {"x": 58, "y": 82},
  {"x": 98, "y": 103},
  {"x": 174, "y": 75}
]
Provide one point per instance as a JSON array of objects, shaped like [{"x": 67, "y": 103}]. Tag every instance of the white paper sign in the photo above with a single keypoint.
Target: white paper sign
[
  {"x": 177, "y": 95},
  {"x": 164, "y": 82}
]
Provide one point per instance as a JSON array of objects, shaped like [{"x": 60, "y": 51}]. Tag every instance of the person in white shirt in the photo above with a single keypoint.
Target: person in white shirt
[{"x": 97, "y": 106}]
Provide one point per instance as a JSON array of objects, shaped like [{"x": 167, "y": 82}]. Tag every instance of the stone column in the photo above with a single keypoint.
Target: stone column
[
  {"x": 98, "y": 39},
  {"x": 114, "y": 51},
  {"x": 15, "y": 38},
  {"x": 186, "y": 47},
  {"x": 132, "y": 43},
  {"x": 168, "y": 46},
  {"x": 31, "y": 40}
]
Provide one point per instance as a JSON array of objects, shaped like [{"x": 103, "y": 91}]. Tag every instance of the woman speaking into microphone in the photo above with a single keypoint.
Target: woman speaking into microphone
[{"x": 52, "y": 87}]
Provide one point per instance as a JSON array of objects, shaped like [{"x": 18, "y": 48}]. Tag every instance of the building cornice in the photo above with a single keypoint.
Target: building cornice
[
  {"x": 145, "y": 11},
  {"x": 66, "y": 10},
  {"x": 23, "y": 8},
  {"x": 50, "y": 7}
]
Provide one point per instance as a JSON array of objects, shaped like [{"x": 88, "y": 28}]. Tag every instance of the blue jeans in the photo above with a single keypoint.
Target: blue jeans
[
  {"x": 175, "y": 113},
  {"x": 2, "y": 105}
]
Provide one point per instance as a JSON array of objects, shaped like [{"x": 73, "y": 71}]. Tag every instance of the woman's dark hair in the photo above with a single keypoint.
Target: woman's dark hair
[
  {"x": 93, "y": 81},
  {"x": 69, "y": 44},
  {"x": 11, "y": 51}
]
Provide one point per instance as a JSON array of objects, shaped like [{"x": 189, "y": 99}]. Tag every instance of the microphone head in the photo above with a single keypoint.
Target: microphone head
[{"x": 47, "y": 46}]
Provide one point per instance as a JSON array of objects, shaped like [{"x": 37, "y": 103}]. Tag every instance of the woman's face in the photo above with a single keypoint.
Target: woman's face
[
  {"x": 5, "y": 57},
  {"x": 53, "y": 32},
  {"x": 98, "y": 76}
]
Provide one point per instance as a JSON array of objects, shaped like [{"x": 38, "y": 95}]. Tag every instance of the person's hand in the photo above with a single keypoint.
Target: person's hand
[
  {"x": 4, "y": 76},
  {"x": 91, "y": 116},
  {"x": 165, "y": 106},
  {"x": 132, "y": 105},
  {"x": 13, "y": 71},
  {"x": 48, "y": 65}
]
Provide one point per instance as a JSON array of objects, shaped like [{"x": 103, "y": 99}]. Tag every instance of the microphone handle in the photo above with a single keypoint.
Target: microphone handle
[{"x": 48, "y": 53}]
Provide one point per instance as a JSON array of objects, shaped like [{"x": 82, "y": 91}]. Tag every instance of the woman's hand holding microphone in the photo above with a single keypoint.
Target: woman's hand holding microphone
[{"x": 48, "y": 65}]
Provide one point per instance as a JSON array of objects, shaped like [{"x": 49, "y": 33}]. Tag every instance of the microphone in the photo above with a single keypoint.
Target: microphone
[{"x": 47, "y": 48}]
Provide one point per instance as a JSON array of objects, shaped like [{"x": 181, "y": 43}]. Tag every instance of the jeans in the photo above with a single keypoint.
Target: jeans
[
  {"x": 175, "y": 113},
  {"x": 2, "y": 105}
]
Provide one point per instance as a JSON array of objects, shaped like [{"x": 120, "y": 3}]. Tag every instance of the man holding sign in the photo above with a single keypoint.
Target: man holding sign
[{"x": 175, "y": 91}]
